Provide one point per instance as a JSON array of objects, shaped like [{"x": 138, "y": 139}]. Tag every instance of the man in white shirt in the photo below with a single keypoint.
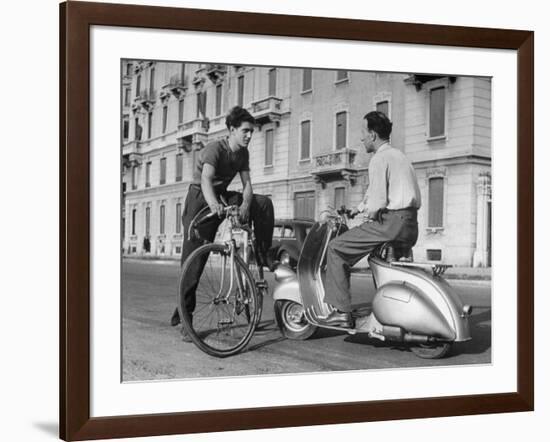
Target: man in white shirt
[{"x": 390, "y": 205}]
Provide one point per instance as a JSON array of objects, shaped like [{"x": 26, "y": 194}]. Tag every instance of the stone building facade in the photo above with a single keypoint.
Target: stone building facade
[{"x": 306, "y": 153}]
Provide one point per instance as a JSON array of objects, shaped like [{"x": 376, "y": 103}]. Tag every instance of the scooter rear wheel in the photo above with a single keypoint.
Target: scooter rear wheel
[
  {"x": 291, "y": 320},
  {"x": 432, "y": 351}
]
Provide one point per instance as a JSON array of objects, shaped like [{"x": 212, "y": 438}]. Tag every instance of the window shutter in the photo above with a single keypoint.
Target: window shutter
[
  {"x": 437, "y": 112},
  {"x": 306, "y": 140},
  {"x": 435, "y": 218},
  {"x": 341, "y": 122}
]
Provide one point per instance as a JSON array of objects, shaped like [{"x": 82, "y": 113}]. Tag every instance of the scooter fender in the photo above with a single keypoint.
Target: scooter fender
[
  {"x": 288, "y": 288},
  {"x": 402, "y": 305}
]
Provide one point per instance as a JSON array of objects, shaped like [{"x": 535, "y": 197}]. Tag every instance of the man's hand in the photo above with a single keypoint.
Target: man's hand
[
  {"x": 243, "y": 213},
  {"x": 360, "y": 208},
  {"x": 217, "y": 208}
]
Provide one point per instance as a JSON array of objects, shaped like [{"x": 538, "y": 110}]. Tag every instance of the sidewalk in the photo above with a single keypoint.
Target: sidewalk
[{"x": 466, "y": 273}]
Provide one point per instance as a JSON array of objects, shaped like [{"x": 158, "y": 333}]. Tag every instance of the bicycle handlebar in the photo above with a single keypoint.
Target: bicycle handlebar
[{"x": 228, "y": 211}]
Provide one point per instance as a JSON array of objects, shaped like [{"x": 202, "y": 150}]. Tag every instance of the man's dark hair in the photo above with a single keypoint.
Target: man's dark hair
[
  {"x": 237, "y": 116},
  {"x": 379, "y": 123}
]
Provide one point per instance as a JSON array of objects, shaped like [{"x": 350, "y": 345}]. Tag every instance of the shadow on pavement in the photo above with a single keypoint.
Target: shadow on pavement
[{"x": 480, "y": 329}]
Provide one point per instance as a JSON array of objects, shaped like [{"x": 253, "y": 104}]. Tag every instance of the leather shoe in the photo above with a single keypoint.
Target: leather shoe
[
  {"x": 337, "y": 318},
  {"x": 175, "y": 320}
]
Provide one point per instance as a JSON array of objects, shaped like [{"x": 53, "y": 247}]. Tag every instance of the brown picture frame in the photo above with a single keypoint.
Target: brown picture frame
[{"x": 75, "y": 21}]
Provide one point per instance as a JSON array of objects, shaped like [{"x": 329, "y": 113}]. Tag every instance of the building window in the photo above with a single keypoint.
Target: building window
[
  {"x": 339, "y": 197},
  {"x": 152, "y": 83},
  {"x": 127, "y": 96},
  {"x": 341, "y": 75},
  {"x": 180, "y": 112},
  {"x": 182, "y": 73},
  {"x": 437, "y": 112},
  {"x": 147, "y": 221},
  {"x": 240, "y": 90},
  {"x": 304, "y": 205},
  {"x": 134, "y": 177},
  {"x": 307, "y": 80},
  {"x": 179, "y": 167},
  {"x": 201, "y": 104},
  {"x": 218, "y": 100},
  {"x": 162, "y": 218},
  {"x": 137, "y": 130},
  {"x": 269, "y": 147},
  {"x": 384, "y": 107},
  {"x": 272, "y": 90},
  {"x": 435, "y": 201},
  {"x": 163, "y": 171},
  {"x": 341, "y": 129},
  {"x": 149, "y": 124},
  {"x": 433, "y": 254},
  {"x": 138, "y": 85},
  {"x": 178, "y": 218},
  {"x": 128, "y": 69},
  {"x": 148, "y": 174},
  {"x": 305, "y": 147},
  {"x": 125, "y": 127},
  {"x": 164, "y": 118},
  {"x": 133, "y": 221}
]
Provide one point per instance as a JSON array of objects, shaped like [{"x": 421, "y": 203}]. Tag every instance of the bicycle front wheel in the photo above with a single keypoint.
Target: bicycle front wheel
[{"x": 227, "y": 307}]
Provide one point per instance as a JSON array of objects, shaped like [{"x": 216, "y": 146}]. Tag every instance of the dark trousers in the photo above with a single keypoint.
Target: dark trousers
[
  {"x": 346, "y": 250},
  {"x": 261, "y": 215}
]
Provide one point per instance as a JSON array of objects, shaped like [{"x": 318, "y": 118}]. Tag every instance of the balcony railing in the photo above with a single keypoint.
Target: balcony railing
[
  {"x": 267, "y": 110},
  {"x": 192, "y": 135},
  {"x": 176, "y": 85},
  {"x": 339, "y": 164},
  {"x": 146, "y": 98}
]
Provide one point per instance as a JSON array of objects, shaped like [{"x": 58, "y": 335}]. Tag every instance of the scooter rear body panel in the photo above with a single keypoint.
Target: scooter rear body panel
[{"x": 434, "y": 288}]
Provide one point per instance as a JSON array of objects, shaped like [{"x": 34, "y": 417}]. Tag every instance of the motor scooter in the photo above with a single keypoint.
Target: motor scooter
[{"x": 413, "y": 304}]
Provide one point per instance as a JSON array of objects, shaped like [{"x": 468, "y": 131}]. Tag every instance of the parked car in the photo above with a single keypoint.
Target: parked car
[{"x": 288, "y": 237}]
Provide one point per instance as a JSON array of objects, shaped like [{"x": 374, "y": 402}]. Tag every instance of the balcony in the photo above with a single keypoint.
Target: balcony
[
  {"x": 193, "y": 134},
  {"x": 146, "y": 99},
  {"x": 131, "y": 154},
  {"x": 335, "y": 165},
  {"x": 176, "y": 86},
  {"x": 215, "y": 72},
  {"x": 418, "y": 80},
  {"x": 267, "y": 110}
]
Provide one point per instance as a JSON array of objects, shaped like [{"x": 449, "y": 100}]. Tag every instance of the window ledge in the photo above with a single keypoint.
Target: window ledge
[
  {"x": 268, "y": 166},
  {"x": 308, "y": 91},
  {"x": 305, "y": 160},
  {"x": 437, "y": 138},
  {"x": 435, "y": 229},
  {"x": 343, "y": 80}
]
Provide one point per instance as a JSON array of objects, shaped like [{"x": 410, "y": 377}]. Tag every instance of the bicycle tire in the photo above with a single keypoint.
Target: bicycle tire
[{"x": 224, "y": 328}]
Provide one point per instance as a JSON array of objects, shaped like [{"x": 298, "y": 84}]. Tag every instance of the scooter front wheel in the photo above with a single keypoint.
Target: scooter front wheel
[
  {"x": 432, "y": 351},
  {"x": 292, "y": 321}
]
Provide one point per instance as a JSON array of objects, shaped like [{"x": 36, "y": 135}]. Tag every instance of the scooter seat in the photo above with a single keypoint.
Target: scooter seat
[{"x": 396, "y": 251}]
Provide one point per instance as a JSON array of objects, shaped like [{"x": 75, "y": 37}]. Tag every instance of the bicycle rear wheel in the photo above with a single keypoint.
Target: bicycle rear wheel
[{"x": 227, "y": 306}]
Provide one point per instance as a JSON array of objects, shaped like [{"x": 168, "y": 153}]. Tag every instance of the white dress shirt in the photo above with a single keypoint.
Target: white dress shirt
[{"x": 392, "y": 182}]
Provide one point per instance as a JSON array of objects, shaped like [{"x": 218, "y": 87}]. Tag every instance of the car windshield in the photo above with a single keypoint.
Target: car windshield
[{"x": 288, "y": 232}]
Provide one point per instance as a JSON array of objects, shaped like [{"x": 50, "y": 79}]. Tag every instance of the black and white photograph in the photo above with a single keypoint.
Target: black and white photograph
[{"x": 284, "y": 220}]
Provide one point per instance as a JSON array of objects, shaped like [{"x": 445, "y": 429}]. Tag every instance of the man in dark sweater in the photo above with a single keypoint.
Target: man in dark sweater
[{"x": 217, "y": 165}]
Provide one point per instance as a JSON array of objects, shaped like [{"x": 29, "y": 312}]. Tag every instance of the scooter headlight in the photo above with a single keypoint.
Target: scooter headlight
[
  {"x": 466, "y": 310},
  {"x": 283, "y": 272}
]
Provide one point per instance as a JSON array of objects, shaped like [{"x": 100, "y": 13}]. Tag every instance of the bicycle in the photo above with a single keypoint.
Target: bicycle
[{"x": 229, "y": 293}]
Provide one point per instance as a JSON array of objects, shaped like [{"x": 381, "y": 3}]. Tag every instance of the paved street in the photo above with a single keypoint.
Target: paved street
[{"x": 152, "y": 349}]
